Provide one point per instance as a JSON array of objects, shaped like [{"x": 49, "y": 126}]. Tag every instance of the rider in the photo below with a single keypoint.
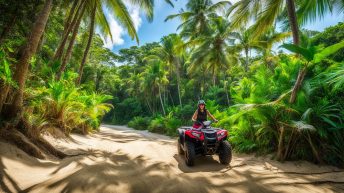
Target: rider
[{"x": 201, "y": 114}]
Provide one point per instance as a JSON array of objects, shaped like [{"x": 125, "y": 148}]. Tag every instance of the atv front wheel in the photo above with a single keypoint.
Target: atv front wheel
[
  {"x": 190, "y": 153},
  {"x": 180, "y": 149},
  {"x": 225, "y": 153}
]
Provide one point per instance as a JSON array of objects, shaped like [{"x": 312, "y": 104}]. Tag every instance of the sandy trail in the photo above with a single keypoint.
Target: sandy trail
[{"x": 119, "y": 159}]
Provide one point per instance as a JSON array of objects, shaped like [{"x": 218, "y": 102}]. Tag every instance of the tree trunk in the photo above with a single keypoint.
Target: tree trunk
[
  {"x": 162, "y": 104},
  {"x": 22, "y": 66},
  {"x": 179, "y": 96},
  {"x": 70, "y": 45},
  {"x": 280, "y": 144},
  {"x": 214, "y": 77},
  {"x": 70, "y": 16},
  {"x": 59, "y": 51},
  {"x": 247, "y": 60},
  {"x": 293, "y": 21},
  {"x": 177, "y": 64},
  {"x": 226, "y": 90},
  {"x": 88, "y": 46},
  {"x": 148, "y": 105},
  {"x": 296, "y": 39},
  {"x": 298, "y": 84},
  {"x": 3, "y": 95},
  {"x": 314, "y": 150}
]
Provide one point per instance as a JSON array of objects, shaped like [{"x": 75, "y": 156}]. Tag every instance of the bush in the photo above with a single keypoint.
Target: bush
[
  {"x": 64, "y": 106},
  {"x": 171, "y": 124},
  {"x": 157, "y": 125},
  {"x": 139, "y": 123},
  {"x": 125, "y": 111},
  {"x": 183, "y": 113}
]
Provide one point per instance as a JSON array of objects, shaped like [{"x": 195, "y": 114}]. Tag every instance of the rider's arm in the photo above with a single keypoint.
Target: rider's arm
[
  {"x": 194, "y": 117},
  {"x": 211, "y": 116}
]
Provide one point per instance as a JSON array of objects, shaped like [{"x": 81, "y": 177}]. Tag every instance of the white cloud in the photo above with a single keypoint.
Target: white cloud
[{"x": 117, "y": 30}]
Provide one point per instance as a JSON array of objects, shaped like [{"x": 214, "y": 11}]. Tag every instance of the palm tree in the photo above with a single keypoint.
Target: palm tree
[
  {"x": 270, "y": 38},
  {"x": 266, "y": 13},
  {"x": 155, "y": 77},
  {"x": 95, "y": 11},
  {"x": 246, "y": 41},
  {"x": 68, "y": 53},
  {"x": 133, "y": 84},
  {"x": 312, "y": 56},
  {"x": 170, "y": 52},
  {"x": 71, "y": 22},
  {"x": 77, "y": 6},
  {"x": 196, "y": 18},
  {"x": 267, "y": 41},
  {"x": 22, "y": 67},
  {"x": 212, "y": 52}
]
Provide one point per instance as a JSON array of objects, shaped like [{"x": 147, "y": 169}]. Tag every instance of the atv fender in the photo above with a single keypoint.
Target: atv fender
[{"x": 181, "y": 135}]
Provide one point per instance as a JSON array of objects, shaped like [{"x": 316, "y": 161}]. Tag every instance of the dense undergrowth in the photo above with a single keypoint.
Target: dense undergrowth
[{"x": 258, "y": 108}]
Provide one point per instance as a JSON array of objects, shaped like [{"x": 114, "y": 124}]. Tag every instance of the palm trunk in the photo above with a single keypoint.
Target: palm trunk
[
  {"x": 226, "y": 90},
  {"x": 70, "y": 16},
  {"x": 281, "y": 144},
  {"x": 298, "y": 84},
  {"x": 177, "y": 64},
  {"x": 296, "y": 39},
  {"x": 3, "y": 95},
  {"x": 68, "y": 54},
  {"x": 214, "y": 77},
  {"x": 179, "y": 96},
  {"x": 293, "y": 21},
  {"x": 162, "y": 104},
  {"x": 22, "y": 66},
  {"x": 149, "y": 107},
  {"x": 88, "y": 46},
  {"x": 247, "y": 60},
  {"x": 170, "y": 95},
  {"x": 59, "y": 51},
  {"x": 314, "y": 150}
]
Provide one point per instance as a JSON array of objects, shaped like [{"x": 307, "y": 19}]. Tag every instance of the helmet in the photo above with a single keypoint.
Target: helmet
[{"x": 201, "y": 102}]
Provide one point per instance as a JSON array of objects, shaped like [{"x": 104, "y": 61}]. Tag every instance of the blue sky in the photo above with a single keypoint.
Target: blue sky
[{"x": 153, "y": 31}]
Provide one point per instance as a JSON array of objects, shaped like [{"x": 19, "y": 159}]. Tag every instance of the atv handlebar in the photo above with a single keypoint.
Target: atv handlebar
[{"x": 201, "y": 123}]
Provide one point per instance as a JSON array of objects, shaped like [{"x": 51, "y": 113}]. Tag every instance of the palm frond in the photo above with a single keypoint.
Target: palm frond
[{"x": 119, "y": 9}]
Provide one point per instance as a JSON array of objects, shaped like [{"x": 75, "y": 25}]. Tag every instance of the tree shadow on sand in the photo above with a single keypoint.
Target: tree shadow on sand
[
  {"x": 5, "y": 176},
  {"x": 202, "y": 164},
  {"x": 118, "y": 172}
]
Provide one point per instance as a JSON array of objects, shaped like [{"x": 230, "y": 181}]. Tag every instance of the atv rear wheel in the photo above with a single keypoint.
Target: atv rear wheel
[
  {"x": 225, "y": 153},
  {"x": 180, "y": 149},
  {"x": 190, "y": 153}
]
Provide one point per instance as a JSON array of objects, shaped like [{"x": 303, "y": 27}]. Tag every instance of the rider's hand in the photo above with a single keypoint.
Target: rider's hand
[{"x": 216, "y": 120}]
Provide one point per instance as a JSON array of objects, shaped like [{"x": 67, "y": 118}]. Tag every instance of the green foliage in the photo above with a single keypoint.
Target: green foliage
[
  {"x": 140, "y": 123},
  {"x": 156, "y": 86},
  {"x": 5, "y": 67},
  {"x": 330, "y": 36},
  {"x": 157, "y": 125},
  {"x": 65, "y": 106}
]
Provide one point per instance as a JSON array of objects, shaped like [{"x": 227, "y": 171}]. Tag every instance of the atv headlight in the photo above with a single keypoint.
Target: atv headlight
[
  {"x": 222, "y": 134},
  {"x": 198, "y": 135}
]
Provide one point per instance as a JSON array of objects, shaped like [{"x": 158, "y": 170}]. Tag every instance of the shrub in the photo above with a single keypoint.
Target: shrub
[
  {"x": 64, "y": 106},
  {"x": 139, "y": 123},
  {"x": 184, "y": 113},
  {"x": 157, "y": 125},
  {"x": 171, "y": 124}
]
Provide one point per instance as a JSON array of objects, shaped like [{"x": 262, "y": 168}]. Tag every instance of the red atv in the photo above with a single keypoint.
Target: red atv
[{"x": 205, "y": 140}]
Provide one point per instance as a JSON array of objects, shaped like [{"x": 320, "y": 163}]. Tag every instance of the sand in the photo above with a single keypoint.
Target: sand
[{"x": 119, "y": 159}]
